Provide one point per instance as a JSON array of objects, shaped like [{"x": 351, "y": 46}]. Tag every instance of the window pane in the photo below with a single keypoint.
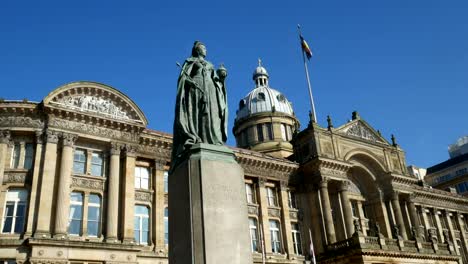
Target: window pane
[
  {"x": 96, "y": 158},
  {"x": 141, "y": 210},
  {"x": 93, "y": 228},
  {"x": 95, "y": 199},
  {"x": 16, "y": 156},
  {"x": 76, "y": 197},
  {"x": 20, "y": 210},
  {"x": 75, "y": 227},
  {"x": 96, "y": 170},
  {"x": 166, "y": 178},
  {"x": 144, "y": 183},
  {"x": 79, "y": 161},
  {"x": 78, "y": 167},
  {"x": 137, "y": 237},
  {"x": 19, "y": 224},
  {"x": 145, "y": 224},
  {"x": 7, "y": 224},
  {"x": 144, "y": 239},
  {"x": 9, "y": 209},
  {"x": 93, "y": 213},
  {"x": 75, "y": 212},
  {"x": 28, "y": 159},
  {"x": 136, "y": 223}
]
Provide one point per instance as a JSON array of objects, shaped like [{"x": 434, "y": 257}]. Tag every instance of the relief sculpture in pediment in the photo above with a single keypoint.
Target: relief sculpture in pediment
[{"x": 88, "y": 103}]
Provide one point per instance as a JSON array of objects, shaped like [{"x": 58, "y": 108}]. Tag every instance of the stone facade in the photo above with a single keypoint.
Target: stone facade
[{"x": 84, "y": 181}]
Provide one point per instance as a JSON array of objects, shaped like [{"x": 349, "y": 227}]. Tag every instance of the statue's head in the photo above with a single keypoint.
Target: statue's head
[
  {"x": 222, "y": 72},
  {"x": 198, "y": 49}
]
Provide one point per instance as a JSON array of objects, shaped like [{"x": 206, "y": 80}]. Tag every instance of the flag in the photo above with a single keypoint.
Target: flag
[
  {"x": 311, "y": 248},
  {"x": 305, "y": 48}
]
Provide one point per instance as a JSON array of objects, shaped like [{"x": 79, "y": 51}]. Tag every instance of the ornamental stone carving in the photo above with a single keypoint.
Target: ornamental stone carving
[
  {"x": 69, "y": 139},
  {"x": 13, "y": 177},
  {"x": 20, "y": 121},
  {"x": 87, "y": 183},
  {"x": 252, "y": 209},
  {"x": 5, "y": 136},
  {"x": 93, "y": 104},
  {"x": 273, "y": 212},
  {"x": 52, "y": 136},
  {"x": 143, "y": 196},
  {"x": 92, "y": 129},
  {"x": 360, "y": 131},
  {"x": 131, "y": 150},
  {"x": 293, "y": 215},
  {"x": 115, "y": 148}
]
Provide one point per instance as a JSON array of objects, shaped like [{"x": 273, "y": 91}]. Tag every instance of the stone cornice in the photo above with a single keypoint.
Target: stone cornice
[
  {"x": 260, "y": 165},
  {"x": 155, "y": 145},
  {"x": 329, "y": 167},
  {"x": 439, "y": 198}
]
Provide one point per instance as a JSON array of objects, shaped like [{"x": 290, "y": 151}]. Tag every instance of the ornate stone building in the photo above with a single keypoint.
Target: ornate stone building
[{"x": 84, "y": 181}]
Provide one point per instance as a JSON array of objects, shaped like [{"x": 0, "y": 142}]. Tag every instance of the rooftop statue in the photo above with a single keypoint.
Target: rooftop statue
[{"x": 201, "y": 106}]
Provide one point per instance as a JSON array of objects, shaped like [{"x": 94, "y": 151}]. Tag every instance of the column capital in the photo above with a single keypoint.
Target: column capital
[
  {"x": 5, "y": 136},
  {"x": 395, "y": 195},
  {"x": 411, "y": 197},
  {"x": 283, "y": 185},
  {"x": 262, "y": 182},
  {"x": 115, "y": 148},
  {"x": 323, "y": 183},
  {"x": 130, "y": 150},
  {"x": 69, "y": 139},
  {"x": 52, "y": 136},
  {"x": 344, "y": 186},
  {"x": 39, "y": 137},
  {"x": 159, "y": 164}
]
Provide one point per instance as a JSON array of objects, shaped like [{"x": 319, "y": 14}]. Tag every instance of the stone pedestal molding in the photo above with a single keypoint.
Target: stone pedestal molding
[{"x": 209, "y": 213}]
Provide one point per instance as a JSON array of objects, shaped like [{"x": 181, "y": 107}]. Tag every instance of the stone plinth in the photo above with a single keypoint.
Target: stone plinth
[{"x": 208, "y": 209}]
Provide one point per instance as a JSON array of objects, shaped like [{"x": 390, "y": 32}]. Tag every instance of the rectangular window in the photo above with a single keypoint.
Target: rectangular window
[
  {"x": 94, "y": 215},
  {"x": 354, "y": 208},
  {"x": 296, "y": 236},
  {"x": 15, "y": 211},
  {"x": 166, "y": 182},
  {"x": 76, "y": 213},
  {"x": 288, "y": 133},
  {"x": 283, "y": 132},
  {"x": 253, "y": 234},
  {"x": 271, "y": 196},
  {"x": 269, "y": 131},
  {"x": 15, "y": 156},
  {"x": 275, "y": 236},
  {"x": 79, "y": 161},
  {"x": 292, "y": 201},
  {"x": 141, "y": 224},
  {"x": 142, "y": 178},
  {"x": 29, "y": 156},
  {"x": 96, "y": 164},
  {"x": 166, "y": 226},
  {"x": 249, "y": 191},
  {"x": 260, "y": 132}
]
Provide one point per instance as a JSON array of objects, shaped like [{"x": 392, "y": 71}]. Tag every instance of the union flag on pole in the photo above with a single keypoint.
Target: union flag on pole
[{"x": 305, "y": 48}]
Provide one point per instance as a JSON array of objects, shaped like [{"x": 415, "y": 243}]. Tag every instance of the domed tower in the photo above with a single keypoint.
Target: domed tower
[{"x": 265, "y": 120}]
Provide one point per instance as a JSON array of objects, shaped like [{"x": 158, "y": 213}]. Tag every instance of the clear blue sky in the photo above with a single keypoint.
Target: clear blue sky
[{"x": 402, "y": 64}]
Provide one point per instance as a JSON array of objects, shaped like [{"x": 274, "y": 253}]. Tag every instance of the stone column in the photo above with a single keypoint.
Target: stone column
[
  {"x": 158, "y": 207},
  {"x": 5, "y": 137},
  {"x": 347, "y": 211},
  {"x": 63, "y": 191},
  {"x": 413, "y": 215},
  {"x": 451, "y": 230},
  {"x": 426, "y": 223},
  {"x": 327, "y": 211},
  {"x": 47, "y": 186},
  {"x": 463, "y": 234},
  {"x": 398, "y": 215},
  {"x": 113, "y": 194},
  {"x": 35, "y": 184},
  {"x": 129, "y": 195},
  {"x": 440, "y": 231},
  {"x": 264, "y": 220},
  {"x": 362, "y": 218},
  {"x": 286, "y": 221}
]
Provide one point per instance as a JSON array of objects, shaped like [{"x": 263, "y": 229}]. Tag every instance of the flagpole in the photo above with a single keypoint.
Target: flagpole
[
  {"x": 312, "y": 247},
  {"x": 314, "y": 116}
]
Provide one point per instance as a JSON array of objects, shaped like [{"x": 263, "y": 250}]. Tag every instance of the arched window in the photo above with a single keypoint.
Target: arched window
[
  {"x": 261, "y": 96},
  {"x": 241, "y": 104},
  {"x": 15, "y": 211},
  {"x": 94, "y": 215},
  {"x": 141, "y": 224},
  {"x": 76, "y": 213}
]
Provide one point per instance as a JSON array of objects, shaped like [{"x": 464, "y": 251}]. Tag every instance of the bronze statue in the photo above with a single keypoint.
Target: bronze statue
[{"x": 201, "y": 104}]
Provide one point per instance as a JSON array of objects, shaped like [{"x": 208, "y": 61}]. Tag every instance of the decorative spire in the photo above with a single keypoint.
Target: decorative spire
[
  {"x": 394, "y": 141},
  {"x": 260, "y": 75},
  {"x": 259, "y": 62},
  {"x": 329, "y": 122},
  {"x": 356, "y": 115}
]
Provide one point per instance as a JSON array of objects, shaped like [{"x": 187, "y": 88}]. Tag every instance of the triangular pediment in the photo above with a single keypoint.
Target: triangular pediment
[
  {"x": 360, "y": 129},
  {"x": 96, "y": 99}
]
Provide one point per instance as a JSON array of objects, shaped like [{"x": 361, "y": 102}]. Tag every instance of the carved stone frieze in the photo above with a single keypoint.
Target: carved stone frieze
[
  {"x": 293, "y": 215},
  {"x": 274, "y": 212},
  {"x": 252, "y": 209},
  {"x": 360, "y": 131},
  {"x": 87, "y": 183},
  {"x": 93, "y": 104},
  {"x": 20, "y": 121},
  {"x": 332, "y": 172},
  {"x": 15, "y": 177},
  {"x": 143, "y": 196},
  {"x": 92, "y": 129}
]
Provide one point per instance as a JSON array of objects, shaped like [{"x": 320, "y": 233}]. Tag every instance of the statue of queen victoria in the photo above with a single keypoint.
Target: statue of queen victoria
[{"x": 201, "y": 107}]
